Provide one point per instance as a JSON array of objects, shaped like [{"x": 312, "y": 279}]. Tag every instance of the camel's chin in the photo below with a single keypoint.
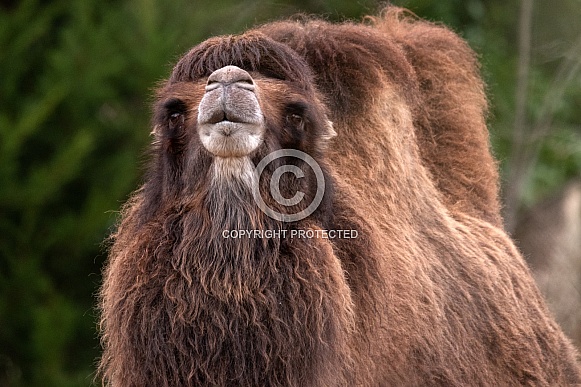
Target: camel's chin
[
  {"x": 231, "y": 139},
  {"x": 227, "y": 170}
]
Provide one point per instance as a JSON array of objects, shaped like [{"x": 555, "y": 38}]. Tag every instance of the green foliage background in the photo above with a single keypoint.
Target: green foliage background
[{"x": 76, "y": 78}]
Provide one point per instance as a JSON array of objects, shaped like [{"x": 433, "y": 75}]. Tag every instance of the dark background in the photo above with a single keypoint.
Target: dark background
[{"x": 76, "y": 81}]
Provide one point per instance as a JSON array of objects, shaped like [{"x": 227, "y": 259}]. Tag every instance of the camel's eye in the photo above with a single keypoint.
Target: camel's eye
[
  {"x": 176, "y": 120},
  {"x": 295, "y": 120},
  {"x": 175, "y": 109},
  {"x": 295, "y": 115}
]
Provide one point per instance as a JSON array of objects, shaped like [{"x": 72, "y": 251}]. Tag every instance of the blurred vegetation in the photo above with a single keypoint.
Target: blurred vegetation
[{"x": 76, "y": 80}]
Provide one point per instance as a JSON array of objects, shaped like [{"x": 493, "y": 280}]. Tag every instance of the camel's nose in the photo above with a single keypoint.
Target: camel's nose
[{"x": 230, "y": 75}]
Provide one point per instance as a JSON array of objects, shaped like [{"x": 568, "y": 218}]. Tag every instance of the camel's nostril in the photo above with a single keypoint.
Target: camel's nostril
[{"x": 229, "y": 75}]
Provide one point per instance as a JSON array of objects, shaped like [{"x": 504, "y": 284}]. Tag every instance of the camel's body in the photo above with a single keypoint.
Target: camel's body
[{"x": 431, "y": 292}]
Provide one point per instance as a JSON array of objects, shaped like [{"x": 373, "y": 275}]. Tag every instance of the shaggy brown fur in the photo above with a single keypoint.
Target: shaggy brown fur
[{"x": 432, "y": 292}]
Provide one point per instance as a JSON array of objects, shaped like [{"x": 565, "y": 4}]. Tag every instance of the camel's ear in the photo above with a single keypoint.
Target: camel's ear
[
  {"x": 155, "y": 131},
  {"x": 328, "y": 131}
]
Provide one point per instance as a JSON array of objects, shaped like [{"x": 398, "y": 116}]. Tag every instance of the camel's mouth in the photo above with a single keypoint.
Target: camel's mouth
[
  {"x": 230, "y": 121},
  {"x": 231, "y": 139}
]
